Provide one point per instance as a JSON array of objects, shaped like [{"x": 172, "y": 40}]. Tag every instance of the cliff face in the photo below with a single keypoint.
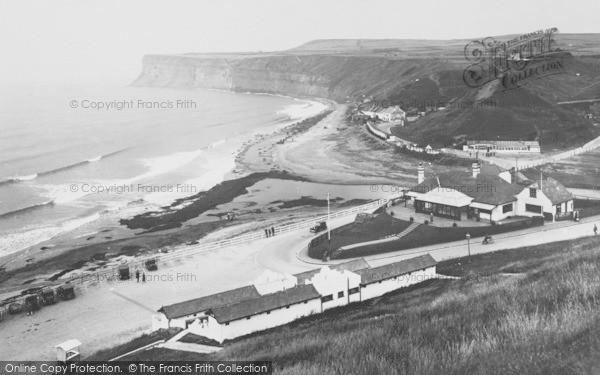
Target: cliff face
[
  {"x": 334, "y": 77},
  {"x": 529, "y": 112}
]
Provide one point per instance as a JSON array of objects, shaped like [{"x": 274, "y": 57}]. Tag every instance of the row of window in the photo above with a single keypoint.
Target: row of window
[
  {"x": 340, "y": 294},
  {"x": 325, "y": 298}
]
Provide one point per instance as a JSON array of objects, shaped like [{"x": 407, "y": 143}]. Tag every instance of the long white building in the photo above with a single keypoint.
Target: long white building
[
  {"x": 316, "y": 291},
  {"x": 491, "y": 148}
]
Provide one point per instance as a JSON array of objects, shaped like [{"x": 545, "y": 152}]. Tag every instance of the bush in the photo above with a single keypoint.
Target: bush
[
  {"x": 412, "y": 218},
  {"x": 426, "y": 221},
  {"x": 454, "y": 224}
]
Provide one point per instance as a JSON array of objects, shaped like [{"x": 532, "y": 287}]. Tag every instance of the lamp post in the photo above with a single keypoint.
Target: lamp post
[{"x": 469, "y": 243}]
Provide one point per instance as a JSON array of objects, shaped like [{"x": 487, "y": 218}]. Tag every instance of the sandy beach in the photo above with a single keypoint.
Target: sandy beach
[{"x": 323, "y": 149}]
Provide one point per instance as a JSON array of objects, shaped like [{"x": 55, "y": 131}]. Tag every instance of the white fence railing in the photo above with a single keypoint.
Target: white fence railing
[{"x": 86, "y": 279}]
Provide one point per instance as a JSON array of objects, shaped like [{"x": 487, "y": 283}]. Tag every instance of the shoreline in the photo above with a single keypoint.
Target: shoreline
[{"x": 60, "y": 247}]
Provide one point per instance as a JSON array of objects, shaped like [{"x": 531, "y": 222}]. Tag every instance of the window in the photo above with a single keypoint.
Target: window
[
  {"x": 533, "y": 208},
  {"x": 507, "y": 208},
  {"x": 532, "y": 193},
  {"x": 340, "y": 294},
  {"x": 327, "y": 298},
  {"x": 353, "y": 290}
]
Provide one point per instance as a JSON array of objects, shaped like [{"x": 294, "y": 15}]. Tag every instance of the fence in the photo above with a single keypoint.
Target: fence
[
  {"x": 84, "y": 280},
  {"x": 593, "y": 144}
]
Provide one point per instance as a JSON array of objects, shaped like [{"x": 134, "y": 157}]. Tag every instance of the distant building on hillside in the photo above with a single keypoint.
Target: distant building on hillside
[
  {"x": 491, "y": 148},
  {"x": 388, "y": 114}
]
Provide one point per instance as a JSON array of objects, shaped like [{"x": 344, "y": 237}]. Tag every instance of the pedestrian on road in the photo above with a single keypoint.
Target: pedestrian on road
[
  {"x": 144, "y": 277},
  {"x": 595, "y": 229},
  {"x": 267, "y": 233},
  {"x": 272, "y": 231},
  {"x": 137, "y": 275},
  {"x": 431, "y": 217}
]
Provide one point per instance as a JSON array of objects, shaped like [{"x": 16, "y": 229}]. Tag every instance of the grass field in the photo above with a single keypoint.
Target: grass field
[
  {"x": 534, "y": 310},
  {"x": 378, "y": 227},
  {"x": 423, "y": 235}
]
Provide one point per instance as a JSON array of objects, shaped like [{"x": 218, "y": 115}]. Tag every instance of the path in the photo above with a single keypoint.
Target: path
[{"x": 560, "y": 231}]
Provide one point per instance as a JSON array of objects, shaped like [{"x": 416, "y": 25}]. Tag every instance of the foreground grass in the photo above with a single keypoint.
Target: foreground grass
[{"x": 534, "y": 314}]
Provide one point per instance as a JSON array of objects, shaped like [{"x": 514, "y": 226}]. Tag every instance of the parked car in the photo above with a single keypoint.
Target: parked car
[
  {"x": 321, "y": 226},
  {"x": 151, "y": 265},
  {"x": 124, "y": 272}
]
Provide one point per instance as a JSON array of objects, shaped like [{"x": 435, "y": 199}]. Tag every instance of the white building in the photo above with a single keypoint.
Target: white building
[
  {"x": 182, "y": 314},
  {"x": 488, "y": 194},
  {"x": 319, "y": 290},
  {"x": 491, "y": 148},
  {"x": 551, "y": 199},
  {"x": 393, "y": 113},
  {"x": 378, "y": 281},
  {"x": 388, "y": 114},
  {"x": 337, "y": 287},
  {"x": 271, "y": 282},
  {"x": 268, "y": 311},
  {"x": 463, "y": 195}
]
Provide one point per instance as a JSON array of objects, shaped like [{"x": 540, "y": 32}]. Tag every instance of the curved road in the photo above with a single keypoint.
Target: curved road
[{"x": 114, "y": 313}]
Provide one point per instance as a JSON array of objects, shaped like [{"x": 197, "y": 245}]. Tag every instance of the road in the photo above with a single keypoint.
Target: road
[{"x": 110, "y": 314}]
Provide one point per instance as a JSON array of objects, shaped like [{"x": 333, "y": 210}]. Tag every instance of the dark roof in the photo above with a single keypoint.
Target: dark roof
[
  {"x": 373, "y": 275},
  {"x": 491, "y": 169},
  {"x": 554, "y": 190},
  {"x": 485, "y": 188},
  {"x": 201, "y": 304},
  {"x": 265, "y": 303},
  {"x": 352, "y": 266}
]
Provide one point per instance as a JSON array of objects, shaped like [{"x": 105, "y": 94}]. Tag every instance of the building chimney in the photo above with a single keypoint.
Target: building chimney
[
  {"x": 476, "y": 169},
  {"x": 420, "y": 173}
]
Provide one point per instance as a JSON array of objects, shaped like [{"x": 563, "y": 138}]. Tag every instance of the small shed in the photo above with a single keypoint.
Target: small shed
[{"x": 68, "y": 351}]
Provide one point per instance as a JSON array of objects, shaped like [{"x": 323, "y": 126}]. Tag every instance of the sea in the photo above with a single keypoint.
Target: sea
[{"x": 70, "y": 156}]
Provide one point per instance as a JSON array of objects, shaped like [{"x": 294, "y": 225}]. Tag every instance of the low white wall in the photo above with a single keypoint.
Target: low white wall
[
  {"x": 207, "y": 327},
  {"x": 264, "y": 321},
  {"x": 378, "y": 289}
]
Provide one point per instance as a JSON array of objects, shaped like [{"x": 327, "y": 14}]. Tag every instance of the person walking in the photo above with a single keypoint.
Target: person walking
[
  {"x": 144, "y": 277},
  {"x": 137, "y": 275},
  {"x": 267, "y": 233},
  {"x": 595, "y": 229},
  {"x": 431, "y": 217},
  {"x": 272, "y": 231}
]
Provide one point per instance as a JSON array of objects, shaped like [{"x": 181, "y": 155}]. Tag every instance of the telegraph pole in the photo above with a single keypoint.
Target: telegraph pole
[{"x": 328, "y": 228}]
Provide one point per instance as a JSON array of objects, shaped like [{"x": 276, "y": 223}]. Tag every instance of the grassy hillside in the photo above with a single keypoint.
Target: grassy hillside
[
  {"x": 533, "y": 310},
  {"x": 406, "y": 71}
]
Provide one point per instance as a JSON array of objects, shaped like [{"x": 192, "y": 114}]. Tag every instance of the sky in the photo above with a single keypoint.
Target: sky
[{"x": 82, "y": 41}]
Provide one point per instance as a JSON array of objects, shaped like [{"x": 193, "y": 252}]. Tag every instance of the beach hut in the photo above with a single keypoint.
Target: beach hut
[{"x": 68, "y": 351}]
